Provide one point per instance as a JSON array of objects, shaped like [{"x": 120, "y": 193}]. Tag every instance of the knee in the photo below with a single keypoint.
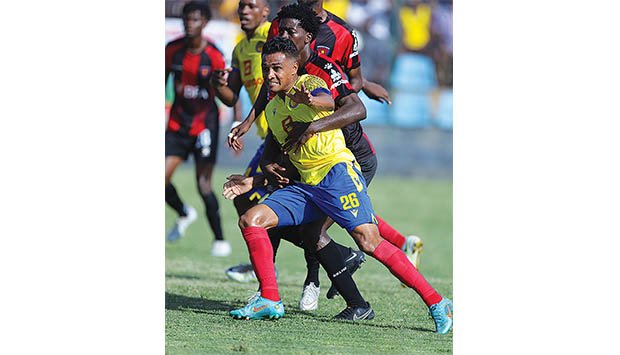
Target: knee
[
  {"x": 367, "y": 241},
  {"x": 250, "y": 219},
  {"x": 204, "y": 186},
  {"x": 324, "y": 239}
]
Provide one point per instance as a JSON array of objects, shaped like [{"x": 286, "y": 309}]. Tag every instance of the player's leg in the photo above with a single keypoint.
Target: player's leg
[
  {"x": 411, "y": 245},
  {"x": 328, "y": 253},
  {"x": 177, "y": 149},
  {"x": 368, "y": 239},
  {"x": 204, "y": 172},
  {"x": 205, "y": 154},
  {"x": 254, "y": 224},
  {"x": 343, "y": 196},
  {"x": 353, "y": 259}
]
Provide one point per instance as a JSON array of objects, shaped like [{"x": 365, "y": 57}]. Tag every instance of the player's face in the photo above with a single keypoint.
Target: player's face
[
  {"x": 252, "y": 13},
  {"x": 290, "y": 28},
  {"x": 194, "y": 23},
  {"x": 279, "y": 71}
]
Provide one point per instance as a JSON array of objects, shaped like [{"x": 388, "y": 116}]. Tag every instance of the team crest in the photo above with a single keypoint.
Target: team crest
[
  {"x": 324, "y": 50},
  {"x": 292, "y": 104},
  {"x": 204, "y": 71},
  {"x": 259, "y": 46}
]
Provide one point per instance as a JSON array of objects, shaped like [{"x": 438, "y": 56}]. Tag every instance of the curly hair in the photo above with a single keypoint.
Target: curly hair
[{"x": 308, "y": 19}]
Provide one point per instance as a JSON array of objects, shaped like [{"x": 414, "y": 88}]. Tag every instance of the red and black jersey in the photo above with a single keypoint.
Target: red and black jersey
[
  {"x": 194, "y": 99},
  {"x": 336, "y": 39},
  {"x": 336, "y": 80}
]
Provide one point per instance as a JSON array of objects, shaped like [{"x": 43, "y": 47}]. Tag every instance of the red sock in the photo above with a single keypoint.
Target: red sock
[
  {"x": 390, "y": 234},
  {"x": 261, "y": 256},
  {"x": 395, "y": 260}
]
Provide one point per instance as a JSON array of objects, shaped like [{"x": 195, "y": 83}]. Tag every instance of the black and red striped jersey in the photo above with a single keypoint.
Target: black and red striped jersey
[
  {"x": 336, "y": 39},
  {"x": 194, "y": 99},
  {"x": 336, "y": 80}
]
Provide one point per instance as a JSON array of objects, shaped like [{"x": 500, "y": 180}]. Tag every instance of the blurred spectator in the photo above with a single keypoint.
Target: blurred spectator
[
  {"x": 371, "y": 19},
  {"x": 415, "y": 24},
  {"x": 337, "y": 7},
  {"x": 441, "y": 32}
]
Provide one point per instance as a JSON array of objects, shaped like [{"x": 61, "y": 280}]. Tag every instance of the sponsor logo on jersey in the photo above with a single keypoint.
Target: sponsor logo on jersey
[
  {"x": 322, "y": 50},
  {"x": 195, "y": 92},
  {"x": 259, "y": 46},
  {"x": 204, "y": 71},
  {"x": 354, "y": 212}
]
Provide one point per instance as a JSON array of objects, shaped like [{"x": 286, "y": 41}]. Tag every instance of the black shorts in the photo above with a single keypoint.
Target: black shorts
[
  {"x": 203, "y": 146},
  {"x": 369, "y": 168}
]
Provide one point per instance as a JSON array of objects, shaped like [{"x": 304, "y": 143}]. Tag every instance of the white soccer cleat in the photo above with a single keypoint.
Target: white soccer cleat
[
  {"x": 181, "y": 224},
  {"x": 310, "y": 297},
  {"x": 221, "y": 248},
  {"x": 413, "y": 248}
]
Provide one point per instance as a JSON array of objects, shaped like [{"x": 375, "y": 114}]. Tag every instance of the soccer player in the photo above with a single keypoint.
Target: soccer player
[
  {"x": 193, "y": 125},
  {"x": 246, "y": 70},
  {"x": 331, "y": 184},
  {"x": 301, "y": 24}
]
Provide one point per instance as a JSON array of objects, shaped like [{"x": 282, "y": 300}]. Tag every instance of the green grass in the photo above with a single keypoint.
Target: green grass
[{"x": 199, "y": 296}]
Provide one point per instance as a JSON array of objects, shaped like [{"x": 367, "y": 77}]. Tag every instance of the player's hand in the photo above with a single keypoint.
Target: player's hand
[
  {"x": 276, "y": 171},
  {"x": 237, "y": 185},
  {"x": 302, "y": 96},
  {"x": 376, "y": 92},
  {"x": 219, "y": 77},
  {"x": 298, "y": 135},
  {"x": 237, "y": 132}
]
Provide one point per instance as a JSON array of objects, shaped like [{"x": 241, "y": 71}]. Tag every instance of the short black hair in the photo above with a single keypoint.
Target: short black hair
[
  {"x": 279, "y": 44},
  {"x": 308, "y": 19},
  {"x": 201, "y": 6}
]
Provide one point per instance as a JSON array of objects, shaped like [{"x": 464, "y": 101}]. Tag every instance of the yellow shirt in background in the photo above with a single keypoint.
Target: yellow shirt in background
[
  {"x": 247, "y": 59},
  {"x": 416, "y": 24},
  {"x": 323, "y": 150}
]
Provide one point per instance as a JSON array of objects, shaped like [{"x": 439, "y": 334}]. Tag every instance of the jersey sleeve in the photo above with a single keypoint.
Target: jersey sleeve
[
  {"x": 315, "y": 85},
  {"x": 274, "y": 29}
]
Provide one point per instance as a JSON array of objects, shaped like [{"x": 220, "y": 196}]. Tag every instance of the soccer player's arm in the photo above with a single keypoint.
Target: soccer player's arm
[
  {"x": 258, "y": 107},
  {"x": 227, "y": 82}
]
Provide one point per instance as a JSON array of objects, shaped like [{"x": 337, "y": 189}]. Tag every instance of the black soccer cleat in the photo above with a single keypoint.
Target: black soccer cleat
[
  {"x": 352, "y": 262},
  {"x": 356, "y": 313}
]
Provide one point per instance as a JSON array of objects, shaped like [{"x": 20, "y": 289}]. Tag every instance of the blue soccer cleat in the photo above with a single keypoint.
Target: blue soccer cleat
[
  {"x": 442, "y": 315},
  {"x": 259, "y": 308}
]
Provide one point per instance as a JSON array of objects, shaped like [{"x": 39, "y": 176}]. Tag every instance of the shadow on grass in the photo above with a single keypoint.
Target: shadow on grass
[
  {"x": 198, "y": 304},
  {"x": 181, "y": 276},
  {"x": 215, "y": 307}
]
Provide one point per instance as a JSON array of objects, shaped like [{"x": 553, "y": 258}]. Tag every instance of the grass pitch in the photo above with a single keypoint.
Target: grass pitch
[{"x": 199, "y": 295}]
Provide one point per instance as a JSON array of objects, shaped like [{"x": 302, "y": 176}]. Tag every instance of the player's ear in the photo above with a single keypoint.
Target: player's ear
[{"x": 266, "y": 11}]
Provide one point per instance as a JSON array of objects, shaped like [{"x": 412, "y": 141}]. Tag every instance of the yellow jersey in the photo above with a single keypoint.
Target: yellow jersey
[
  {"x": 416, "y": 25},
  {"x": 323, "y": 150},
  {"x": 246, "y": 58}
]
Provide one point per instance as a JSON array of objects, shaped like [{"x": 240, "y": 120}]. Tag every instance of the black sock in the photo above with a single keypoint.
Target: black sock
[
  {"x": 173, "y": 200},
  {"x": 332, "y": 262},
  {"x": 312, "y": 264},
  {"x": 344, "y": 251},
  {"x": 213, "y": 213},
  {"x": 274, "y": 238}
]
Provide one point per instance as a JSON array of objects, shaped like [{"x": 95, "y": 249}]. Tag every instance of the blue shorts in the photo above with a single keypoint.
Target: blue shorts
[
  {"x": 341, "y": 195},
  {"x": 257, "y": 193}
]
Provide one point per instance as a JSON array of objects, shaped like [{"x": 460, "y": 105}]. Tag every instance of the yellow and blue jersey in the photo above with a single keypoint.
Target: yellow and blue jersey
[
  {"x": 247, "y": 60},
  {"x": 323, "y": 150}
]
